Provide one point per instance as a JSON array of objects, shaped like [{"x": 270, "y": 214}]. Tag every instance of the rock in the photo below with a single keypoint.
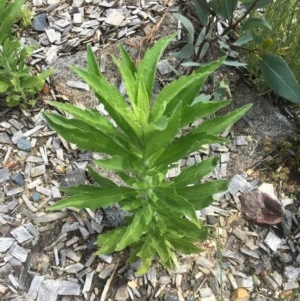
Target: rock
[
  {"x": 39, "y": 22},
  {"x": 4, "y": 175},
  {"x": 286, "y": 223},
  {"x": 122, "y": 293},
  {"x": 18, "y": 179},
  {"x": 5, "y": 243},
  {"x": 272, "y": 241},
  {"x": 240, "y": 140},
  {"x": 238, "y": 183},
  {"x": 211, "y": 220},
  {"x": 204, "y": 262},
  {"x": 170, "y": 297},
  {"x": 21, "y": 234},
  {"x": 24, "y": 144},
  {"x": 74, "y": 178},
  {"x": 36, "y": 196},
  {"x": 115, "y": 216},
  {"x": 241, "y": 295},
  {"x": 262, "y": 207},
  {"x": 74, "y": 268},
  {"x": 205, "y": 292},
  {"x": 37, "y": 171}
]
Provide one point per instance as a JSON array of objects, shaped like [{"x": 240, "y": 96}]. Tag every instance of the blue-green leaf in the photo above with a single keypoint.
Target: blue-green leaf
[
  {"x": 244, "y": 39},
  {"x": 254, "y": 23},
  {"x": 202, "y": 11},
  {"x": 234, "y": 63},
  {"x": 187, "y": 25},
  {"x": 186, "y": 52},
  {"x": 279, "y": 77},
  {"x": 224, "y": 8}
]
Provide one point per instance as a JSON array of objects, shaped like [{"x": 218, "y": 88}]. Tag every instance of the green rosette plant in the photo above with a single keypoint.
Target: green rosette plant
[{"x": 142, "y": 144}]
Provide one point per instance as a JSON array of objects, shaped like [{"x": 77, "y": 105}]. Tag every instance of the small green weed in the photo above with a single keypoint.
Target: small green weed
[
  {"x": 18, "y": 84},
  {"x": 25, "y": 16}
]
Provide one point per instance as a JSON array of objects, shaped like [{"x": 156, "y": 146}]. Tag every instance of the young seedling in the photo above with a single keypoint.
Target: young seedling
[{"x": 142, "y": 144}]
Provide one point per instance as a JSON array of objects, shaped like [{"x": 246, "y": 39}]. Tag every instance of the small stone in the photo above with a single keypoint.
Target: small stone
[
  {"x": 39, "y": 22},
  {"x": 74, "y": 268},
  {"x": 77, "y": 18},
  {"x": 17, "y": 135},
  {"x": 18, "y": 179},
  {"x": 4, "y": 175},
  {"x": 36, "y": 196},
  {"x": 240, "y": 140},
  {"x": 170, "y": 297},
  {"x": 37, "y": 170},
  {"x": 74, "y": 178},
  {"x": 204, "y": 262},
  {"x": 21, "y": 234},
  {"x": 286, "y": 223},
  {"x": 105, "y": 273},
  {"x": 244, "y": 282},
  {"x": 285, "y": 258},
  {"x": 78, "y": 85},
  {"x": 241, "y": 295},
  {"x": 164, "y": 67},
  {"x": 19, "y": 253},
  {"x": 122, "y": 293},
  {"x": 217, "y": 147},
  {"x": 272, "y": 241},
  {"x": 211, "y": 220},
  {"x": 37, "y": 2},
  {"x": 5, "y": 243},
  {"x": 205, "y": 292}
]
